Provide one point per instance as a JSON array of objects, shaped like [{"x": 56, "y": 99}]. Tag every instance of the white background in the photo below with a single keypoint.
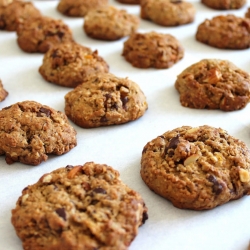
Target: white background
[{"x": 225, "y": 227}]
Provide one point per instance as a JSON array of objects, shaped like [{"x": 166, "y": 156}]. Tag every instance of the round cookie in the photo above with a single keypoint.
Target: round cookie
[
  {"x": 15, "y": 13},
  {"x": 102, "y": 23},
  {"x": 29, "y": 131},
  {"x": 224, "y": 5},
  {"x": 152, "y": 49},
  {"x": 81, "y": 207},
  {"x": 103, "y": 100},
  {"x": 39, "y": 34},
  {"x": 3, "y": 92},
  {"x": 197, "y": 168},
  {"x": 69, "y": 64},
  {"x": 167, "y": 12},
  {"x": 79, "y": 8},
  {"x": 129, "y": 1},
  {"x": 214, "y": 84},
  {"x": 225, "y": 32}
]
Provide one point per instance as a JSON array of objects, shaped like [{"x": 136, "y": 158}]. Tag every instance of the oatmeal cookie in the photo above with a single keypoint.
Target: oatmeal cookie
[
  {"x": 79, "y": 8},
  {"x": 15, "y": 13},
  {"x": 69, "y": 64},
  {"x": 3, "y": 92},
  {"x": 129, "y": 1},
  {"x": 197, "y": 168},
  {"x": 152, "y": 49},
  {"x": 214, "y": 84},
  {"x": 80, "y": 207},
  {"x": 224, "y": 5},
  {"x": 104, "y": 100},
  {"x": 225, "y": 32},
  {"x": 29, "y": 131},
  {"x": 110, "y": 23},
  {"x": 39, "y": 34},
  {"x": 167, "y": 12}
]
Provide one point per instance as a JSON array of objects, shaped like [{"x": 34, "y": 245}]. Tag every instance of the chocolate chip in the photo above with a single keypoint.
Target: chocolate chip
[
  {"x": 60, "y": 34},
  {"x": 144, "y": 217},
  {"x": 69, "y": 167},
  {"x": 217, "y": 187},
  {"x": 124, "y": 102},
  {"x": 173, "y": 143},
  {"x": 93, "y": 202},
  {"x": 61, "y": 212},
  {"x": 103, "y": 119},
  {"x": 45, "y": 111},
  {"x": 100, "y": 190},
  {"x": 54, "y": 54}
]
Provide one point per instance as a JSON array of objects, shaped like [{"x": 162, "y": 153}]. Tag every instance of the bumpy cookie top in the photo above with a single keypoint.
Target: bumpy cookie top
[
  {"x": 110, "y": 23},
  {"x": 3, "y": 92},
  {"x": 152, "y": 49},
  {"x": 197, "y": 168},
  {"x": 15, "y": 13},
  {"x": 69, "y": 64},
  {"x": 81, "y": 207},
  {"x": 225, "y": 32},
  {"x": 224, "y": 5},
  {"x": 214, "y": 84},
  {"x": 167, "y": 12},
  {"x": 105, "y": 99},
  {"x": 39, "y": 34},
  {"x": 79, "y": 8},
  {"x": 29, "y": 131}
]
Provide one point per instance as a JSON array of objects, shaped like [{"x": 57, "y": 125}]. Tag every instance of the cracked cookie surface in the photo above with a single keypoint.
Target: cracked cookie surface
[
  {"x": 167, "y": 12},
  {"x": 39, "y": 34},
  {"x": 214, "y": 84},
  {"x": 3, "y": 92},
  {"x": 81, "y": 207},
  {"x": 224, "y": 5},
  {"x": 29, "y": 131},
  {"x": 15, "y": 13},
  {"x": 152, "y": 49},
  {"x": 79, "y": 8},
  {"x": 225, "y": 32},
  {"x": 69, "y": 64},
  {"x": 103, "y": 100},
  {"x": 110, "y": 23},
  {"x": 197, "y": 168}
]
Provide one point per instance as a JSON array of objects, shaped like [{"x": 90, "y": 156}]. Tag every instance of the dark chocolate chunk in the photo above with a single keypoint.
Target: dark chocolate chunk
[
  {"x": 100, "y": 190},
  {"x": 217, "y": 187},
  {"x": 61, "y": 212}
]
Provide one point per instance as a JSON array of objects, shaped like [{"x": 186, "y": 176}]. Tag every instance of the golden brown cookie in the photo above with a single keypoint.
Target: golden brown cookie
[
  {"x": 224, "y": 5},
  {"x": 197, "y": 168},
  {"x": 39, "y": 34},
  {"x": 168, "y": 12},
  {"x": 69, "y": 64},
  {"x": 152, "y": 49},
  {"x": 214, "y": 84},
  {"x": 79, "y": 8},
  {"x": 3, "y": 92},
  {"x": 103, "y": 100},
  {"x": 30, "y": 131},
  {"x": 225, "y": 32},
  {"x": 103, "y": 23},
  {"x": 81, "y": 207},
  {"x": 15, "y": 13}
]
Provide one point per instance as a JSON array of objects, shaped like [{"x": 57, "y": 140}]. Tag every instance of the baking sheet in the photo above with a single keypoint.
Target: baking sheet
[{"x": 225, "y": 227}]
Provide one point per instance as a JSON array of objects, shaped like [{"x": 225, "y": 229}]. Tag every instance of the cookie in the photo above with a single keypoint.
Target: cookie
[
  {"x": 129, "y": 1},
  {"x": 4, "y": 3},
  {"x": 69, "y": 64},
  {"x": 103, "y": 23},
  {"x": 225, "y": 32},
  {"x": 224, "y": 5},
  {"x": 214, "y": 84},
  {"x": 29, "y": 131},
  {"x": 197, "y": 168},
  {"x": 3, "y": 92},
  {"x": 79, "y": 8},
  {"x": 103, "y": 100},
  {"x": 152, "y": 49},
  {"x": 167, "y": 12},
  {"x": 39, "y": 34},
  {"x": 15, "y": 13},
  {"x": 81, "y": 207}
]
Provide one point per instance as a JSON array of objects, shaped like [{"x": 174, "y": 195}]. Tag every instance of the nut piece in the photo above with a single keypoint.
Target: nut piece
[
  {"x": 213, "y": 76},
  {"x": 191, "y": 159},
  {"x": 47, "y": 178},
  {"x": 244, "y": 175},
  {"x": 74, "y": 171},
  {"x": 24, "y": 198}
]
